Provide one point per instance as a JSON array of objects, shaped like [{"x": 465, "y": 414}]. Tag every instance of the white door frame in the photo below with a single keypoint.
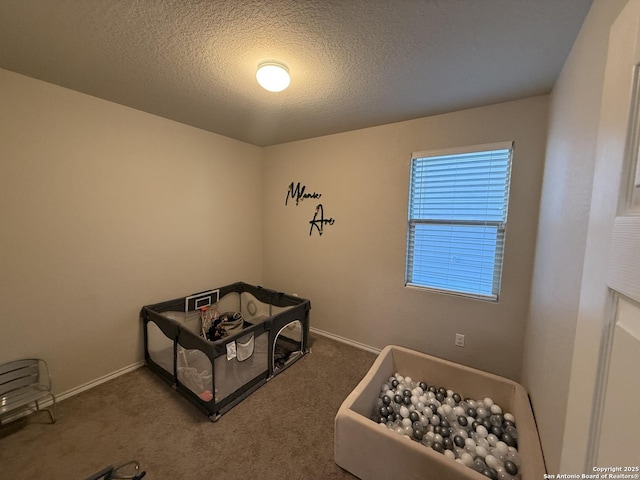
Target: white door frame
[{"x": 606, "y": 273}]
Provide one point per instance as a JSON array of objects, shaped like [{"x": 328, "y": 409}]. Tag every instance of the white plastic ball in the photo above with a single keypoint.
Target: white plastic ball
[
  {"x": 481, "y": 430},
  {"x": 481, "y": 451},
  {"x": 488, "y": 402},
  {"x": 449, "y": 454},
  {"x": 467, "y": 459},
  {"x": 496, "y": 409},
  {"x": 404, "y": 412},
  {"x": 510, "y": 417},
  {"x": 491, "y": 461},
  {"x": 502, "y": 448}
]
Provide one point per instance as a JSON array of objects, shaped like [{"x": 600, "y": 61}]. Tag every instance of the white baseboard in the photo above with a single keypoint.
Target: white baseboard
[
  {"x": 74, "y": 391},
  {"x": 338, "y": 338},
  {"x": 98, "y": 381}
]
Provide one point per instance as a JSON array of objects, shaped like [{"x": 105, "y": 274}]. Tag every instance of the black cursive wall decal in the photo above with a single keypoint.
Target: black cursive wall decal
[
  {"x": 319, "y": 223},
  {"x": 298, "y": 193}
]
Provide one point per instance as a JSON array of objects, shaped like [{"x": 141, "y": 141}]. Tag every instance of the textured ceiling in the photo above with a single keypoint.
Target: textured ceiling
[{"x": 353, "y": 63}]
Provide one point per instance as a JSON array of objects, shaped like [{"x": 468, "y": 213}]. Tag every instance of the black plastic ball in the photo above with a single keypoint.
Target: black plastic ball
[
  {"x": 487, "y": 424},
  {"x": 433, "y": 389},
  {"x": 448, "y": 443},
  {"x": 459, "y": 441},
  {"x": 384, "y": 411},
  {"x": 471, "y": 412},
  {"x": 395, "y": 383},
  {"x": 509, "y": 440},
  {"x": 445, "y": 431},
  {"x": 418, "y": 434},
  {"x": 433, "y": 408},
  {"x": 463, "y": 421},
  {"x": 488, "y": 473},
  {"x": 444, "y": 423},
  {"x": 442, "y": 390},
  {"x": 437, "y": 429},
  {"x": 406, "y": 393},
  {"x": 497, "y": 431},
  {"x": 423, "y": 386},
  {"x": 386, "y": 400},
  {"x": 456, "y": 397},
  {"x": 440, "y": 397},
  {"x": 438, "y": 447},
  {"x": 507, "y": 423},
  {"x": 510, "y": 467},
  {"x": 414, "y": 416},
  {"x": 406, "y": 400},
  {"x": 397, "y": 399}
]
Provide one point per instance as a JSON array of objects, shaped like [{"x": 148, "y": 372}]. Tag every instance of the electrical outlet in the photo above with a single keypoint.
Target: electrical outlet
[{"x": 459, "y": 340}]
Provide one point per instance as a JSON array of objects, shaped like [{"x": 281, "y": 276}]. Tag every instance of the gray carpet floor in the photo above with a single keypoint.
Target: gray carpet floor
[{"x": 282, "y": 431}]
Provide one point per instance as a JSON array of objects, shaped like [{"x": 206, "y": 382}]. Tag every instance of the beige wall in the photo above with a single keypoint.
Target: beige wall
[
  {"x": 354, "y": 272},
  {"x": 562, "y": 230},
  {"x": 105, "y": 209}
]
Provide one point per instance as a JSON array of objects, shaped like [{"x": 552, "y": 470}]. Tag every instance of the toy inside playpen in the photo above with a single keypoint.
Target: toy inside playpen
[{"x": 218, "y": 346}]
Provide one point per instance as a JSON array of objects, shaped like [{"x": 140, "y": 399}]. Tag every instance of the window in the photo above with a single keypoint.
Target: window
[{"x": 457, "y": 219}]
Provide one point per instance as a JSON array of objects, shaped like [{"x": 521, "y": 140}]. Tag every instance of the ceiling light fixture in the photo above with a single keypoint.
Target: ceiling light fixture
[{"x": 273, "y": 76}]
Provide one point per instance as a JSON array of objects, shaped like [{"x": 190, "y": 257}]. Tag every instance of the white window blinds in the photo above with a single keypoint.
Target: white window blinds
[{"x": 457, "y": 219}]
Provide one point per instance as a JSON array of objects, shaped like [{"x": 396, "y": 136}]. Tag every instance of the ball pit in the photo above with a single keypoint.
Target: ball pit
[
  {"x": 371, "y": 451},
  {"x": 474, "y": 433}
]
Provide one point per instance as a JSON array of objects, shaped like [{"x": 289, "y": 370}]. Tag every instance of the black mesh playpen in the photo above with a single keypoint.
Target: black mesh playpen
[{"x": 217, "y": 347}]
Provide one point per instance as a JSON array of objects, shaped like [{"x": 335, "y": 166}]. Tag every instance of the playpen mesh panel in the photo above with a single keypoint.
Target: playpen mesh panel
[
  {"x": 247, "y": 358},
  {"x": 160, "y": 347},
  {"x": 287, "y": 345},
  {"x": 190, "y": 320},
  {"x": 194, "y": 372}
]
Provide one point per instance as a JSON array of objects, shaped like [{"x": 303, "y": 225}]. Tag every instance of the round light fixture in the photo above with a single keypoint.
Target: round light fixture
[{"x": 273, "y": 76}]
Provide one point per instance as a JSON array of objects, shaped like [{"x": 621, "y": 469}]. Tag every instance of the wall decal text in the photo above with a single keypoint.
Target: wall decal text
[
  {"x": 297, "y": 192},
  {"x": 319, "y": 223}
]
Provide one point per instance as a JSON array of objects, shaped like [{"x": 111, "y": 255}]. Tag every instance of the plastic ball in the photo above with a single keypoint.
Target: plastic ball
[
  {"x": 502, "y": 448},
  {"x": 418, "y": 434},
  {"x": 404, "y": 412},
  {"x": 467, "y": 459},
  {"x": 435, "y": 420},
  {"x": 491, "y": 461},
  {"x": 482, "y": 431},
  {"x": 438, "y": 447},
  {"x": 510, "y": 417},
  {"x": 513, "y": 431},
  {"x": 509, "y": 440},
  {"x": 481, "y": 451},
  {"x": 490, "y": 473},
  {"x": 449, "y": 454},
  {"x": 495, "y": 408},
  {"x": 448, "y": 443},
  {"x": 510, "y": 467}
]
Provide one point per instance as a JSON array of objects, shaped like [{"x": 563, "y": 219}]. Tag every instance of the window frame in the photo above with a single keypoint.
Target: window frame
[{"x": 501, "y": 226}]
